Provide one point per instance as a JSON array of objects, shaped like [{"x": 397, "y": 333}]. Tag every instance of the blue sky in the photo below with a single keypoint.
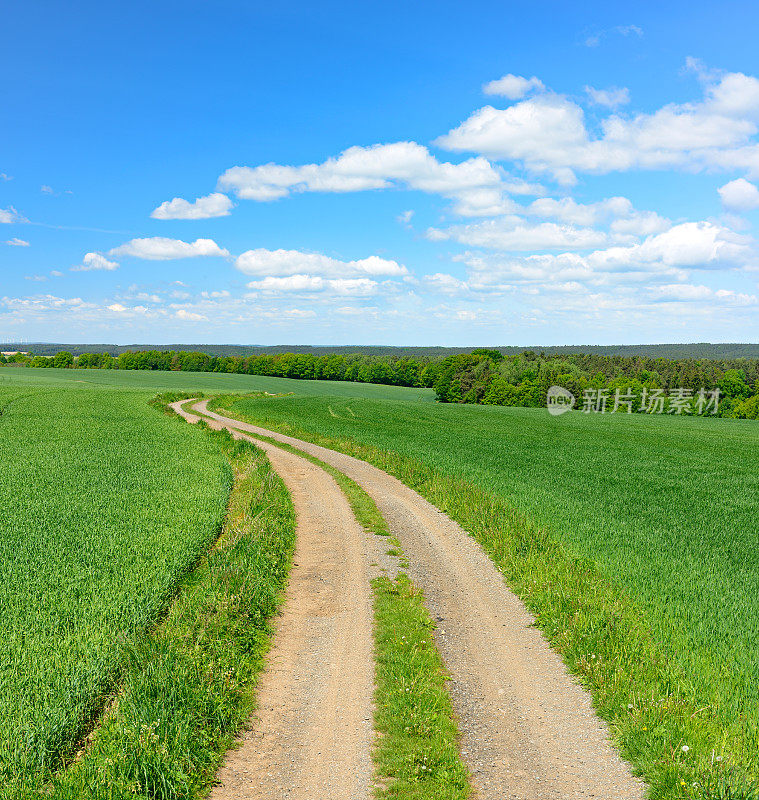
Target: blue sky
[{"x": 428, "y": 173}]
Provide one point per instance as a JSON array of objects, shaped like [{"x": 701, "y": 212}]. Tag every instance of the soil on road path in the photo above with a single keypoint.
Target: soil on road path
[
  {"x": 528, "y": 731},
  {"x": 311, "y": 735}
]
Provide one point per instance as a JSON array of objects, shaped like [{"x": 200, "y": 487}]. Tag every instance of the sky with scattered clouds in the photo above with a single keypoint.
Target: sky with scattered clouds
[{"x": 408, "y": 174}]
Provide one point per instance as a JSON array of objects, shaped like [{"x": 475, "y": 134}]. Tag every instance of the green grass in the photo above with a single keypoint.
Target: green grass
[
  {"x": 633, "y": 539},
  {"x": 416, "y": 755},
  {"x": 153, "y": 382},
  {"x": 106, "y": 505},
  {"x": 188, "y": 686}
]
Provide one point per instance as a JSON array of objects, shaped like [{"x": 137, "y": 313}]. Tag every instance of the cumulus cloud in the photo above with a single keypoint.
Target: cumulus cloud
[
  {"x": 514, "y": 87},
  {"x": 15, "y": 242},
  {"x": 548, "y": 133},
  {"x": 380, "y": 166},
  {"x": 739, "y": 195},
  {"x": 668, "y": 257},
  {"x": 213, "y": 205},
  {"x": 611, "y": 98},
  {"x": 566, "y": 209},
  {"x": 279, "y": 263},
  {"x": 93, "y": 261},
  {"x": 159, "y": 248},
  {"x": 445, "y": 284}
]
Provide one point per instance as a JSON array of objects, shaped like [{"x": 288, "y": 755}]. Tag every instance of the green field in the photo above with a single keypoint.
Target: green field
[
  {"x": 106, "y": 505},
  {"x": 667, "y": 507},
  {"x": 664, "y": 508},
  {"x": 657, "y": 516}
]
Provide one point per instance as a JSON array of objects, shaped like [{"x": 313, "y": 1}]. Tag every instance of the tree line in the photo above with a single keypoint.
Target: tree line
[{"x": 483, "y": 376}]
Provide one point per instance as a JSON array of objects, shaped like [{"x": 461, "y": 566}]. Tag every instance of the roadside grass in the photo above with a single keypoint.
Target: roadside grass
[
  {"x": 188, "y": 686},
  {"x": 416, "y": 752},
  {"x": 682, "y": 716}
]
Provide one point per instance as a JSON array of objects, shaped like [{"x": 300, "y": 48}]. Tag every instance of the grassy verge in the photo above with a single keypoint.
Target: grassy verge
[
  {"x": 187, "y": 686},
  {"x": 678, "y": 730},
  {"x": 416, "y": 756}
]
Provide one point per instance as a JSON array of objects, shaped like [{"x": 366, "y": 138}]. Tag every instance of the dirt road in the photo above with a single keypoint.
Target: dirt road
[
  {"x": 310, "y": 738},
  {"x": 528, "y": 732}
]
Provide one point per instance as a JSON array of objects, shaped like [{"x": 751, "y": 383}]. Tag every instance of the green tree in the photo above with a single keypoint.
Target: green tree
[{"x": 63, "y": 359}]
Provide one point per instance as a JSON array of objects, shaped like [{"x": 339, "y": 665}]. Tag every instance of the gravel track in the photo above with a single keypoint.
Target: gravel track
[
  {"x": 528, "y": 731},
  {"x": 311, "y": 735}
]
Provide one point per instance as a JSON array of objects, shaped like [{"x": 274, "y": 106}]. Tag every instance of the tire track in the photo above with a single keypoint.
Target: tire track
[{"x": 311, "y": 735}]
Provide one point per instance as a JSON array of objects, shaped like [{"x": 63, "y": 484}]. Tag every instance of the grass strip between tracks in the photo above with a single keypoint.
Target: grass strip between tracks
[
  {"x": 416, "y": 753},
  {"x": 674, "y": 728},
  {"x": 189, "y": 685}
]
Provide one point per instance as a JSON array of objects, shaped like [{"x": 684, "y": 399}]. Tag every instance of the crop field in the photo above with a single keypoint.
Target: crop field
[
  {"x": 150, "y": 383},
  {"x": 664, "y": 508},
  {"x": 105, "y": 505}
]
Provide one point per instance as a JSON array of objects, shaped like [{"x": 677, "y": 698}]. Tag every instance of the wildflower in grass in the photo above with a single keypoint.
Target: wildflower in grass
[{"x": 685, "y": 748}]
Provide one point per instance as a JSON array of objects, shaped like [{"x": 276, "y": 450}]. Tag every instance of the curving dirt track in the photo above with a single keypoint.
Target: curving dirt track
[
  {"x": 528, "y": 731},
  {"x": 311, "y": 735}
]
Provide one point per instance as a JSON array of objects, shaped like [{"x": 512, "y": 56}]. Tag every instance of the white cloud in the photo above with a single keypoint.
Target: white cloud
[
  {"x": 45, "y": 189},
  {"x": 568, "y": 210},
  {"x": 405, "y": 218},
  {"x": 9, "y": 215},
  {"x": 548, "y": 133},
  {"x": 611, "y": 98},
  {"x": 739, "y": 195},
  {"x": 15, "y": 242},
  {"x": 667, "y": 256},
  {"x": 306, "y": 284},
  {"x": 294, "y": 262},
  {"x": 189, "y": 316},
  {"x": 445, "y": 284},
  {"x": 159, "y": 248},
  {"x": 93, "y": 261},
  {"x": 511, "y": 233},
  {"x": 640, "y": 223},
  {"x": 213, "y": 205},
  {"x": 686, "y": 292},
  {"x": 5, "y": 177},
  {"x": 379, "y": 166},
  {"x": 514, "y": 87}
]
